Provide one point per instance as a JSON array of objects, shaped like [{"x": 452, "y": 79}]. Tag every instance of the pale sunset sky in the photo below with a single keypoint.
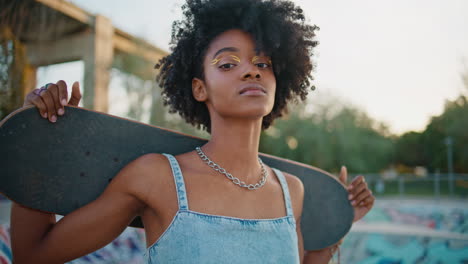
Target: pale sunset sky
[{"x": 398, "y": 60}]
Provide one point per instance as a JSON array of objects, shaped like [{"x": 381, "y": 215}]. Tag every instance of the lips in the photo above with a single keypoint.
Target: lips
[{"x": 252, "y": 88}]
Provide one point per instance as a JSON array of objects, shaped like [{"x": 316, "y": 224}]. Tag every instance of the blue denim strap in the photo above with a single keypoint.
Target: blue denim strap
[
  {"x": 284, "y": 185},
  {"x": 179, "y": 182}
]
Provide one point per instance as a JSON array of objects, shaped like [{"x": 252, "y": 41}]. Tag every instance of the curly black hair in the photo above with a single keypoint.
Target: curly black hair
[{"x": 278, "y": 29}]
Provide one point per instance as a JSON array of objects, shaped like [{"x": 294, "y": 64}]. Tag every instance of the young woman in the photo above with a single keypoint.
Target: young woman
[{"x": 234, "y": 66}]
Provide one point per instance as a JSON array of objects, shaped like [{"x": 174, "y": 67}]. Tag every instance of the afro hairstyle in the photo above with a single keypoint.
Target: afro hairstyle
[{"x": 278, "y": 29}]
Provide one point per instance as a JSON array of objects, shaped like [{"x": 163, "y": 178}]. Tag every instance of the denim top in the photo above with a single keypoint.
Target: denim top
[{"x": 194, "y": 237}]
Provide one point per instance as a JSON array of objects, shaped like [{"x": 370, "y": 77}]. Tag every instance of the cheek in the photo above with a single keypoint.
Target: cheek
[
  {"x": 218, "y": 89},
  {"x": 272, "y": 82},
  {"x": 212, "y": 76},
  {"x": 219, "y": 83}
]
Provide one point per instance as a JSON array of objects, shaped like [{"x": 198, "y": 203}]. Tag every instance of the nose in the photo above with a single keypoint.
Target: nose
[{"x": 252, "y": 72}]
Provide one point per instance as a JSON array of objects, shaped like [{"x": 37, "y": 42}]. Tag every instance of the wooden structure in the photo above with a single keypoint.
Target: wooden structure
[{"x": 62, "y": 32}]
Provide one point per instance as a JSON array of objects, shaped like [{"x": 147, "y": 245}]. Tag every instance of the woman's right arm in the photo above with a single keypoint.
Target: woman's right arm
[{"x": 36, "y": 238}]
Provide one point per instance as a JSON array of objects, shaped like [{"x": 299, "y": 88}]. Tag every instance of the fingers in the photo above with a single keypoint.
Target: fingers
[
  {"x": 47, "y": 97},
  {"x": 358, "y": 187},
  {"x": 367, "y": 201},
  {"x": 359, "y": 193},
  {"x": 35, "y": 99},
  {"x": 75, "y": 95},
  {"x": 343, "y": 175},
  {"x": 356, "y": 181},
  {"x": 63, "y": 93},
  {"x": 55, "y": 93},
  {"x": 361, "y": 197}
]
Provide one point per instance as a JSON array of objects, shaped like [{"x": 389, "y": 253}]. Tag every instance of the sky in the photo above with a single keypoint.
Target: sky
[{"x": 397, "y": 60}]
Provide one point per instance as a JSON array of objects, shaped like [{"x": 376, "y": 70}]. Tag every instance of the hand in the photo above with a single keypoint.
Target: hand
[
  {"x": 359, "y": 194},
  {"x": 322, "y": 255},
  {"x": 51, "y": 99}
]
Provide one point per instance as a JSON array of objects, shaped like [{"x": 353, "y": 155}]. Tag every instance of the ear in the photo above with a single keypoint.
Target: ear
[{"x": 199, "y": 90}]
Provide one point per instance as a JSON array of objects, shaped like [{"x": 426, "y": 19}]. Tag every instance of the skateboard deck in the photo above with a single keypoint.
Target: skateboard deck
[{"x": 60, "y": 167}]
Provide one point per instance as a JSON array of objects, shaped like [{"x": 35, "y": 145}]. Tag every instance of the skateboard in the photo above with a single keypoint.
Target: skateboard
[{"x": 59, "y": 167}]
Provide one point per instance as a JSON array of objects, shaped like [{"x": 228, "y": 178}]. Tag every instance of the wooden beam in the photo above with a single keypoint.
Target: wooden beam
[
  {"x": 135, "y": 47},
  {"x": 140, "y": 41},
  {"x": 67, "y": 49},
  {"x": 69, "y": 9}
]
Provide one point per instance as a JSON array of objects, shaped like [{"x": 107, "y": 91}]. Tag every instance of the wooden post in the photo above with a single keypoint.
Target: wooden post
[
  {"x": 30, "y": 79},
  {"x": 97, "y": 63}
]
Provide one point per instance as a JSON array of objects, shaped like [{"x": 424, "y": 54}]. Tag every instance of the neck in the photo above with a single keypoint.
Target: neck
[{"x": 234, "y": 146}]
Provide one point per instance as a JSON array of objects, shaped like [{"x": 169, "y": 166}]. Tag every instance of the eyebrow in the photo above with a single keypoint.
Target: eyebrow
[{"x": 232, "y": 49}]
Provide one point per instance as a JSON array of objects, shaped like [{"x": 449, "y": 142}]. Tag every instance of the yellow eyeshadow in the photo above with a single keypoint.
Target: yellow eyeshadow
[
  {"x": 255, "y": 58},
  {"x": 234, "y": 57}
]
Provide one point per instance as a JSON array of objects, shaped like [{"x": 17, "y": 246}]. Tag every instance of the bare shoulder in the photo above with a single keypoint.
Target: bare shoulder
[
  {"x": 295, "y": 185},
  {"x": 148, "y": 162},
  {"x": 141, "y": 175},
  {"x": 296, "y": 192},
  {"x": 139, "y": 168}
]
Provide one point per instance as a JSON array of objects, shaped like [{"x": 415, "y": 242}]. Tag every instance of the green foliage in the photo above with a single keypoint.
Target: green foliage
[
  {"x": 329, "y": 140},
  {"x": 453, "y": 123},
  {"x": 410, "y": 150},
  {"x": 429, "y": 148}
]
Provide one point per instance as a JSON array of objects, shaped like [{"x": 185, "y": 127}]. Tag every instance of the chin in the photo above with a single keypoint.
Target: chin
[
  {"x": 248, "y": 111},
  {"x": 258, "y": 113}
]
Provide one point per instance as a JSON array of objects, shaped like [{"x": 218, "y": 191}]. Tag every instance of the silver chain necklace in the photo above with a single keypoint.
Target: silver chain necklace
[{"x": 228, "y": 175}]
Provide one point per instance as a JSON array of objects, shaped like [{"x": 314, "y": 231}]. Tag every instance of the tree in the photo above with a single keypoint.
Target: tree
[
  {"x": 331, "y": 137},
  {"x": 453, "y": 122},
  {"x": 410, "y": 150}
]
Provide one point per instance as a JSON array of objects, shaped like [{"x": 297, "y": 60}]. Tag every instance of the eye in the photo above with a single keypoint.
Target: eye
[
  {"x": 227, "y": 66},
  {"x": 263, "y": 65}
]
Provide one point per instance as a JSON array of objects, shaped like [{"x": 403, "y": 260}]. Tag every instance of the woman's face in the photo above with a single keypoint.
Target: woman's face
[{"x": 238, "y": 81}]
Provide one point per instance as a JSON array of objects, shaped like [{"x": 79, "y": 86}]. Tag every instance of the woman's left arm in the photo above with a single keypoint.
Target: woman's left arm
[
  {"x": 297, "y": 199},
  {"x": 321, "y": 256},
  {"x": 361, "y": 199}
]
